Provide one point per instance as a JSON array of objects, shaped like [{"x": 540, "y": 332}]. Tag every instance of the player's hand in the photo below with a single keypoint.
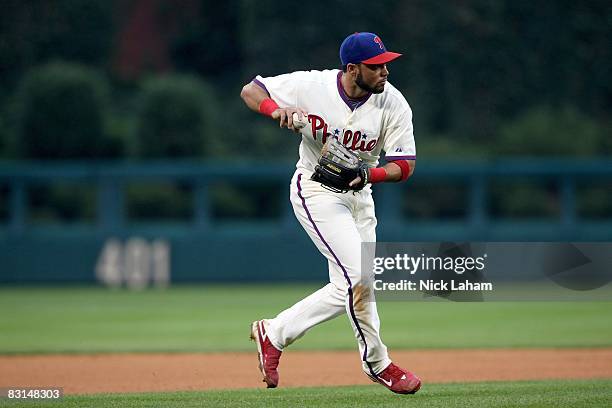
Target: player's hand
[
  {"x": 359, "y": 182},
  {"x": 285, "y": 117},
  {"x": 355, "y": 181}
]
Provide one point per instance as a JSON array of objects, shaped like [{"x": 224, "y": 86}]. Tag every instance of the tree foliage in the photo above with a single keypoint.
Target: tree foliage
[
  {"x": 33, "y": 33},
  {"x": 61, "y": 113},
  {"x": 546, "y": 131},
  {"x": 472, "y": 70},
  {"x": 175, "y": 118}
]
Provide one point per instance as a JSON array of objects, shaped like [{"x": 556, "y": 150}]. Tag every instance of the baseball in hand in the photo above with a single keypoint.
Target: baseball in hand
[{"x": 299, "y": 123}]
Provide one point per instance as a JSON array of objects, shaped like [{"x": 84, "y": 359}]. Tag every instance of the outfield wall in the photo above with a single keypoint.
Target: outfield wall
[{"x": 204, "y": 248}]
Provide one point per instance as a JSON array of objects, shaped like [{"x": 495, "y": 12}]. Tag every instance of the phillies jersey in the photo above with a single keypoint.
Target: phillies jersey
[{"x": 374, "y": 123}]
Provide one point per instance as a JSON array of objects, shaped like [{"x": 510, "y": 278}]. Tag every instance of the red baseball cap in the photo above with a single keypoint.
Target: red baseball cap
[{"x": 365, "y": 48}]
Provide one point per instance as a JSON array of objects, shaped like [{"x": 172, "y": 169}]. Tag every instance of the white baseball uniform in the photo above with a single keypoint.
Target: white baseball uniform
[{"x": 338, "y": 223}]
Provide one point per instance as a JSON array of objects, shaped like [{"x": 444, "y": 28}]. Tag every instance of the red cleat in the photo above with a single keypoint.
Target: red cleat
[
  {"x": 267, "y": 354},
  {"x": 398, "y": 380}
]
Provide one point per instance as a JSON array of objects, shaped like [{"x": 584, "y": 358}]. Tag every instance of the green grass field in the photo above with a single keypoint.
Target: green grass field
[
  {"x": 556, "y": 394},
  {"x": 216, "y": 318}
]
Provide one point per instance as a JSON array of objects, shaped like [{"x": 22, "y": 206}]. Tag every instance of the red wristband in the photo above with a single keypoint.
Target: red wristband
[
  {"x": 377, "y": 175},
  {"x": 267, "y": 106}
]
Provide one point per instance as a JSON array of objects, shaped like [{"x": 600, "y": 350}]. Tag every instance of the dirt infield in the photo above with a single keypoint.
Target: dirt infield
[{"x": 86, "y": 374}]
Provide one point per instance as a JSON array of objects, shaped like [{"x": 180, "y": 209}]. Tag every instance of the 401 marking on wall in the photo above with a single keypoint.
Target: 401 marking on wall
[{"x": 135, "y": 263}]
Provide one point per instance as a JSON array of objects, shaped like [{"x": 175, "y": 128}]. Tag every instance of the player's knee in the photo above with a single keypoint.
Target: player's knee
[
  {"x": 356, "y": 281},
  {"x": 362, "y": 277}
]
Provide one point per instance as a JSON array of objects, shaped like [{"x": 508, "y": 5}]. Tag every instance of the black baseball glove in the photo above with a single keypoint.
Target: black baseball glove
[{"x": 338, "y": 166}]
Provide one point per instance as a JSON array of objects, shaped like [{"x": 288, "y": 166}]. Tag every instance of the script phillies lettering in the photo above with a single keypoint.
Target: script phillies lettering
[{"x": 350, "y": 139}]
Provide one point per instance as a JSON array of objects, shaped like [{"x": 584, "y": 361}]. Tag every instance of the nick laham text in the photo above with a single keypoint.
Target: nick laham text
[{"x": 431, "y": 285}]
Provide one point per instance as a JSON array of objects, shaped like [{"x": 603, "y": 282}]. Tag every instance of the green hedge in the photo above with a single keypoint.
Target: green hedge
[
  {"x": 175, "y": 118},
  {"x": 549, "y": 131},
  {"x": 60, "y": 113}
]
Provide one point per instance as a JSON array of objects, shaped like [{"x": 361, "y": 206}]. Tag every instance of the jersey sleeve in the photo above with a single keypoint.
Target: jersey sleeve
[
  {"x": 399, "y": 137},
  {"x": 283, "y": 89}
]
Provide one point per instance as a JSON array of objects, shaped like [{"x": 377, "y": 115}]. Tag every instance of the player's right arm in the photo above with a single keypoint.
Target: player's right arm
[
  {"x": 258, "y": 100},
  {"x": 253, "y": 95}
]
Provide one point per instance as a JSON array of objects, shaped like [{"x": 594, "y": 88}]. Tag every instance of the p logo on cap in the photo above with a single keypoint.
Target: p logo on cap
[{"x": 378, "y": 41}]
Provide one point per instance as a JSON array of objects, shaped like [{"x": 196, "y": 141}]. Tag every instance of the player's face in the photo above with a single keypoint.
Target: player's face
[{"x": 372, "y": 78}]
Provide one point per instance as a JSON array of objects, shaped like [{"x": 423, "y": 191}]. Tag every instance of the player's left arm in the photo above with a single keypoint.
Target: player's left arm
[
  {"x": 394, "y": 171},
  {"x": 399, "y": 170}
]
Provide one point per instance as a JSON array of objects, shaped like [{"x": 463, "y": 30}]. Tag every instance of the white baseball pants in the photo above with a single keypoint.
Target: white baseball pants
[{"x": 337, "y": 224}]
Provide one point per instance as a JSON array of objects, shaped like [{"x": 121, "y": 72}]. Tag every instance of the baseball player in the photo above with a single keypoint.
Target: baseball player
[{"x": 359, "y": 109}]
